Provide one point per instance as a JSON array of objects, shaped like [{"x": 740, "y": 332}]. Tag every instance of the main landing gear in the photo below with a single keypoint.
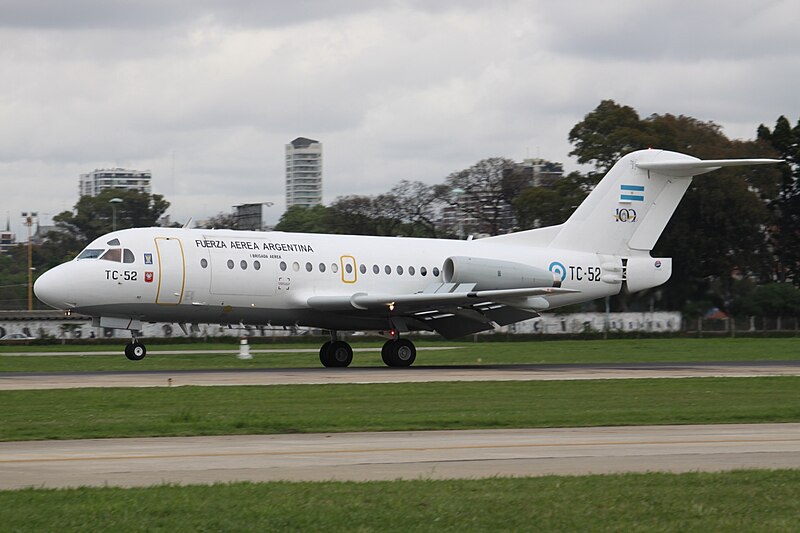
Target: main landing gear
[
  {"x": 135, "y": 350},
  {"x": 335, "y": 353},
  {"x": 395, "y": 353},
  {"x": 398, "y": 352}
]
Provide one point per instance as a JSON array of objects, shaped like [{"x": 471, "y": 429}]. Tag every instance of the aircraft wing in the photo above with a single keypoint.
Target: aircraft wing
[{"x": 453, "y": 310}]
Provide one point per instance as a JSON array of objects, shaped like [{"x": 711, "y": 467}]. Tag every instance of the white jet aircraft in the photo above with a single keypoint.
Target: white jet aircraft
[{"x": 390, "y": 284}]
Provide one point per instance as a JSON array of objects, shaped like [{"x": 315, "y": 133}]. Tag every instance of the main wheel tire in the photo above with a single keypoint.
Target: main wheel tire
[
  {"x": 341, "y": 354},
  {"x": 324, "y": 357},
  {"x": 336, "y": 354},
  {"x": 386, "y": 352},
  {"x": 135, "y": 351},
  {"x": 399, "y": 353}
]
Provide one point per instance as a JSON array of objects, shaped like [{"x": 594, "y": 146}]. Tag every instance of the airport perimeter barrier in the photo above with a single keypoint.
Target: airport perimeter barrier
[{"x": 54, "y": 325}]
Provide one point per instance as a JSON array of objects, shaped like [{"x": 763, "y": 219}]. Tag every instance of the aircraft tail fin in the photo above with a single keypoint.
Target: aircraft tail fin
[{"x": 630, "y": 207}]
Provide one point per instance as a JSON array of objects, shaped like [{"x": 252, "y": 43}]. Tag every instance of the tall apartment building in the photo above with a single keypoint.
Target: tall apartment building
[
  {"x": 303, "y": 172},
  {"x": 115, "y": 178}
]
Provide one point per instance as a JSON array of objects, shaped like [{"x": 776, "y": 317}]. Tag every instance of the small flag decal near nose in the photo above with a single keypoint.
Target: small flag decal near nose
[{"x": 631, "y": 193}]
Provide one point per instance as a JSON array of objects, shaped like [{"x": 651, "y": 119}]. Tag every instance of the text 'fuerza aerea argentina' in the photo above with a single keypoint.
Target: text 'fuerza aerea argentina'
[{"x": 252, "y": 245}]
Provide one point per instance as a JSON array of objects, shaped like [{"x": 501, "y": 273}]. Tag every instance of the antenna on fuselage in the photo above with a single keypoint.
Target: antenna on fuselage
[{"x": 188, "y": 223}]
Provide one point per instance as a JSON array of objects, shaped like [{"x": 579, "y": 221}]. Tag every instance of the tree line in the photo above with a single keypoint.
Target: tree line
[{"x": 734, "y": 237}]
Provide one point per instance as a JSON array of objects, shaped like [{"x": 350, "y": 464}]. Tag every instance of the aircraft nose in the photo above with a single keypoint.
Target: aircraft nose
[{"x": 53, "y": 288}]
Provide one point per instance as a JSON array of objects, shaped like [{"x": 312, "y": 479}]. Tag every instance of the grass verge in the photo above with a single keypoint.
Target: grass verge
[
  {"x": 539, "y": 352},
  {"x": 731, "y": 501},
  {"x": 183, "y": 411}
]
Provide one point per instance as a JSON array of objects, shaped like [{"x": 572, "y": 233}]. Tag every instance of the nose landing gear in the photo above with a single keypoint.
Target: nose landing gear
[{"x": 135, "y": 350}]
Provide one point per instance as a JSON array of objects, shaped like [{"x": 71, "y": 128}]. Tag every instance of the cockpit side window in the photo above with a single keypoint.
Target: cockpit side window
[
  {"x": 90, "y": 253},
  {"x": 127, "y": 256},
  {"x": 114, "y": 254},
  {"x": 113, "y": 242}
]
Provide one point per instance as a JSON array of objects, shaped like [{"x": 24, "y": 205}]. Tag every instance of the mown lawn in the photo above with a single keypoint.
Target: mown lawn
[
  {"x": 733, "y": 501},
  {"x": 181, "y": 411}
]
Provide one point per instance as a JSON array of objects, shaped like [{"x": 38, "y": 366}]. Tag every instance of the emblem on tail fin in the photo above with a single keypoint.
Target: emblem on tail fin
[{"x": 628, "y": 195}]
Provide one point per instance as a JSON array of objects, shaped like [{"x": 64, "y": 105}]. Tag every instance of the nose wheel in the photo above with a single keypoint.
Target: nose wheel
[{"x": 135, "y": 351}]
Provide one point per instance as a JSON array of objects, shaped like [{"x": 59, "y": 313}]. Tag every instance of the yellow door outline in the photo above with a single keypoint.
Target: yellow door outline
[
  {"x": 348, "y": 277},
  {"x": 170, "y": 296}
]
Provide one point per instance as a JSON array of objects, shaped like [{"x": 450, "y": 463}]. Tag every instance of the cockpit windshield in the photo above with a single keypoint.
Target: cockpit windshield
[
  {"x": 90, "y": 253},
  {"x": 114, "y": 254},
  {"x": 117, "y": 255}
]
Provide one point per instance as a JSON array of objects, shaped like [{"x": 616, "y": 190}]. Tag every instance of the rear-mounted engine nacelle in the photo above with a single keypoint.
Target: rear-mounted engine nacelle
[{"x": 490, "y": 274}]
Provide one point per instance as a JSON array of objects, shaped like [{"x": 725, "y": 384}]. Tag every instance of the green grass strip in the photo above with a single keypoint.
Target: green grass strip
[
  {"x": 732, "y": 501},
  {"x": 129, "y": 412},
  {"x": 539, "y": 352}
]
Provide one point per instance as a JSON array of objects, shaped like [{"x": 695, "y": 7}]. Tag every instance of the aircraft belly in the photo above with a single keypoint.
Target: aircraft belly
[{"x": 236, "y": 315}]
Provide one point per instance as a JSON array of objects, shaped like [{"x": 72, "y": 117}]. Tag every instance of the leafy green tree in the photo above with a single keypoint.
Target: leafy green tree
[
  {"x": 547, "y": 206},
  {"x": 607, "y": 133},
  {"x": 300, "y": 219},
  {"x": 93, "y": 216},
  {"x": 785, "y": 231}
]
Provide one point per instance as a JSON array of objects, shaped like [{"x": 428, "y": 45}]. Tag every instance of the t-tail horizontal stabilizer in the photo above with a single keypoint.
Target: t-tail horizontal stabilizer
[{"x": 682, "y": 168}]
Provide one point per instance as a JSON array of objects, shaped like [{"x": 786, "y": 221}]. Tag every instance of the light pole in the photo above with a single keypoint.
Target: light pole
[
  {"x": 114, "y": 202},
  {"x": 457, "y": 193},
  {"x": 29, "y": 220}
]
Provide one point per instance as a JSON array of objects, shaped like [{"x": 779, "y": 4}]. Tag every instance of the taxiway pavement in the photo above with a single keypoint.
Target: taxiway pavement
[
  {"x": 397, "y": 455},
  {"x": 414, "y": 374}
]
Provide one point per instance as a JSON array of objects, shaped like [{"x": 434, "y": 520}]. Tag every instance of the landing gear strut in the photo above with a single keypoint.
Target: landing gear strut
[
  {"x": 335, "y": 353},
  {"x": 135, "y": 350},
  {"x": 398, "y": 352}
]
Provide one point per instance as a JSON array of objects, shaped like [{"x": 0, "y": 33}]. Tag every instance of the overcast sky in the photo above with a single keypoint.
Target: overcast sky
[{"x": 206, "y": 93}]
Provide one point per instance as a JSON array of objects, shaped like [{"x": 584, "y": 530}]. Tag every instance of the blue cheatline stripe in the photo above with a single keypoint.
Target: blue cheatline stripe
[
  {"x": 631, "y": 197},
  {"x": 639, "y": 188}
]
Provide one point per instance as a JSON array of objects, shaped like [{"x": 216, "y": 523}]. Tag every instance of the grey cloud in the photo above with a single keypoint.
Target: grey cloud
[{"x": 683, "y": 29}]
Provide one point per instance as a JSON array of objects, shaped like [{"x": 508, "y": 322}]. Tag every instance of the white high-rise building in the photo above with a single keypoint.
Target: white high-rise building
[
  {"x": 115, "y": 178},
  {"x": 303, "y": 172}
]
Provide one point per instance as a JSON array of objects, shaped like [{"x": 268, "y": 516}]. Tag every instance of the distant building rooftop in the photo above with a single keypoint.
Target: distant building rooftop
[{"x": 303, "y": 142}]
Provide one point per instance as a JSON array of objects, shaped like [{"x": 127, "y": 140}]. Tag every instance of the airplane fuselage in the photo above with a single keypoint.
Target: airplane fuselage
[{"x": 233, "y": 277}]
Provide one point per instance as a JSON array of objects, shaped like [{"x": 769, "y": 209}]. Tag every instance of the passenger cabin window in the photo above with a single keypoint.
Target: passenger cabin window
[
  {"x": 90, "y": 253},
  {"x": 114, "y": 254}
]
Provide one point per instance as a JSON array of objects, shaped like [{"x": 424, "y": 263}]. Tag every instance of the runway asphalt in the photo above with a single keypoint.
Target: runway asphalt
[
  {"x": 397, "y": 455},
  {"x": 414, "y": 374}
]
